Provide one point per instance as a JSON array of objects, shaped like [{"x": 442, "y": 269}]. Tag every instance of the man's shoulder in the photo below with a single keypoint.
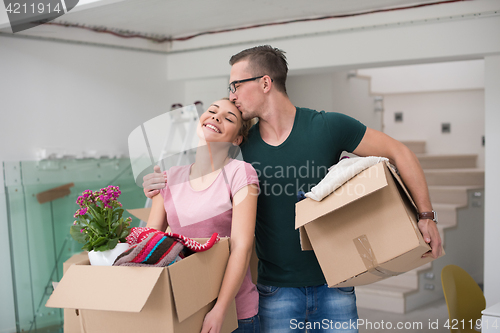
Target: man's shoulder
[
  {"x": 315, "y": 118},
  {"x": 315, "y": 113},
  {"x": 307, "y": 111},
  {"x": 323, "y": 116}
]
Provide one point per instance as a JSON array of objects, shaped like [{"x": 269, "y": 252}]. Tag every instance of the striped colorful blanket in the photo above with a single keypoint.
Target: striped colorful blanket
[{"x": 153, "y": 248}]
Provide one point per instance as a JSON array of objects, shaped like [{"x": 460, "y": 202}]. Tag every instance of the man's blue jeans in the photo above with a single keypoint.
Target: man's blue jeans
[{"x": 317, "y": 309}]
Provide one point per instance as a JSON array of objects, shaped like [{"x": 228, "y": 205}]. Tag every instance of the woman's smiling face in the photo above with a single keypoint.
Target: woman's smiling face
[{"x": 221, "y": 122}]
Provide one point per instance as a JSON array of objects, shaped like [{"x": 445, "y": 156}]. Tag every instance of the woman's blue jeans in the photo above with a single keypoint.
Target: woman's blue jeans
[
  {"x": 249, "y": 325},
  {"x": 317, "y": 309}
]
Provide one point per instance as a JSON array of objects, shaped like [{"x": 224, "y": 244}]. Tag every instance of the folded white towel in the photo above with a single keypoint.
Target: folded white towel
[{"x": 341, "y": 173}]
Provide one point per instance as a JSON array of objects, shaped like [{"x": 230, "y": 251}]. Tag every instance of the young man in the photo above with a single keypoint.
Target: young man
[{"x": 291, "y": 149}]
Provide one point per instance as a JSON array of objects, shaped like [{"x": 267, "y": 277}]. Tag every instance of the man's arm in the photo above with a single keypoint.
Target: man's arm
[{"x": 375, "y": 143}]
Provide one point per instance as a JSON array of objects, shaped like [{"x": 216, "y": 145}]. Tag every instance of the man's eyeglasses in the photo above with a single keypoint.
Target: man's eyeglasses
[{"x": 232, "y": 85}]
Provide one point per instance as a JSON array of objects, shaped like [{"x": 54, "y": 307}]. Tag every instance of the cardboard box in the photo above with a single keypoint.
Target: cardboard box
[
  {"x": 145, "y": 299},
  {"x": 141, "y": 213},
  {"x": 364, "y": 231}
]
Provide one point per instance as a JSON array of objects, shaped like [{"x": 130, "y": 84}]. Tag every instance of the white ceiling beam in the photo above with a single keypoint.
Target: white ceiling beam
[{"x": 418, "y": 42}]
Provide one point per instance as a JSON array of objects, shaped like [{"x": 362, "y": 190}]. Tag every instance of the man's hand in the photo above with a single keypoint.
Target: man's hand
[
  {"x": 430, "y": 232},
  {"x": 153, "y": 182}
]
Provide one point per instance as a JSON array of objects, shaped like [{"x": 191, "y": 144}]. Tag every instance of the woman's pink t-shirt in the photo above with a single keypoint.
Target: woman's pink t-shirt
[{"x": 198, "y": 214}]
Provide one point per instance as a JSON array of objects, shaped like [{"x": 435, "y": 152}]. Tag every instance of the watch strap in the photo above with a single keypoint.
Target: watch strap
[{"x": 427, "y": 216}]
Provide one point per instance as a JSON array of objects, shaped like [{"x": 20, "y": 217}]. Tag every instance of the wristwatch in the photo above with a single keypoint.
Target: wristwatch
[{"x": 428, "y": 216}]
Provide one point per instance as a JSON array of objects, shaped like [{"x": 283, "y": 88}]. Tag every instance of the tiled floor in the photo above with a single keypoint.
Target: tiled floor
[{"x": 430, "y": 319}]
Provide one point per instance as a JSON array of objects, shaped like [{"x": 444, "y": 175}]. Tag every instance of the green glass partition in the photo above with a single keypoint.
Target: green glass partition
[{"x": 39, "y": 232}]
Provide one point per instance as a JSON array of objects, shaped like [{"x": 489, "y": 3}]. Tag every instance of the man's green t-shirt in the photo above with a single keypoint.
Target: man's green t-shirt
[{"x": 315, "y": 143}]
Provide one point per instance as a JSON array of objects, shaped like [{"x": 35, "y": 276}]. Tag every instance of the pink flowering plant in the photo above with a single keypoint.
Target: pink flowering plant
[{"x": 99, "y": 223}]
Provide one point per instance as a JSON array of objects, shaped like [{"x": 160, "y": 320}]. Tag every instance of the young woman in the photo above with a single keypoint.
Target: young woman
[{"x": 217, "y": 194}]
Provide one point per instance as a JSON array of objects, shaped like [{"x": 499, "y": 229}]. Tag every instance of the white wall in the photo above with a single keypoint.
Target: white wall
[
  {"x": 54, "y": 95},
  {"x": 431, "y": 94},
  {"x": 336, "y": 92},
  {"x": 424, "y": 112},
  {"x": 351, "y": 95},
  {"x": 206, "y": 90},
  {"x": 443, "y": 76},
  {"x": 492, "y": 181},
  {"x": 312, "y": 91},
  {"x": 71, "y": 99}
]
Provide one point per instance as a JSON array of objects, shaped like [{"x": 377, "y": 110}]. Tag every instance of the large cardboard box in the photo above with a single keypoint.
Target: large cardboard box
[
  {"x": 144, "y": 299},
  {"x": 364, "y": 231}
]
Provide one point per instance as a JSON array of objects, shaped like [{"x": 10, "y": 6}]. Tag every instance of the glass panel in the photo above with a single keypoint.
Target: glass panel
[{"x": 39, "y": 232}]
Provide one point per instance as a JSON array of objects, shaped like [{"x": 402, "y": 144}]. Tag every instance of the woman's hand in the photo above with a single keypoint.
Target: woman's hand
[{"x": 213, "y": 321}]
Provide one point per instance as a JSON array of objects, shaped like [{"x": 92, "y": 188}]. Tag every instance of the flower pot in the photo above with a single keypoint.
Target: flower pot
[{"x": 107, "y": 258}]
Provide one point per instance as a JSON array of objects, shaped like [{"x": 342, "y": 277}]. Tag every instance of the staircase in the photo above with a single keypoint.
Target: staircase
[{"x": 456, "y": 188}]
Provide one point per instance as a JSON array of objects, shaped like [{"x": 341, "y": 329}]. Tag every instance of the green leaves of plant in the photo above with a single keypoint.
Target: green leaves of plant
[
  {"x": 112, "y": 243},
  {"x": 108, "y": 245},
  {"x": 124, "y": 233},
  {"x": 76, "y": 234},
  {"x": 117, "y": 214},
  {"x": 102, "y": 227}
]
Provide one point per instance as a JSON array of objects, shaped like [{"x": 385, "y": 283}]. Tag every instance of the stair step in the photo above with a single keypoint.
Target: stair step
[
  {"x": 383, "y": 298},
  {"x": 450, "y": 194},
  {"x": 405, "y": 280},
  {"x": 447, "y": 218},
  {"x": 422, "y": 268},
  {"x": 450, "y": 177},
  {"x": 447, "y": 214},
  {"x": 447, "y": 161},
  {"x": 418, "y": 147}
]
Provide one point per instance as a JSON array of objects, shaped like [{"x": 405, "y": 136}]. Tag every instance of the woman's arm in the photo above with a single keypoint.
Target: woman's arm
[
  {"x": 157, "y": 217},
  {"x": 241, "y": 243}
]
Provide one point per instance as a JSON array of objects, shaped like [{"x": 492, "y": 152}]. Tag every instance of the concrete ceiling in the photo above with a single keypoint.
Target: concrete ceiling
[{"x": 176, "y": 18}]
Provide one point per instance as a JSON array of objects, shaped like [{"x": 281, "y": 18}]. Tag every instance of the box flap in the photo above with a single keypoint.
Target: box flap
[
  {"x": 141, "y": 213},
  {"x": 400, "y": 181},
  {"x": 305, "y": 242},
  {"x": 196, "y": 280},
  {"x": 109, "y": 288},
  {"x": 361, "y": 185}
]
